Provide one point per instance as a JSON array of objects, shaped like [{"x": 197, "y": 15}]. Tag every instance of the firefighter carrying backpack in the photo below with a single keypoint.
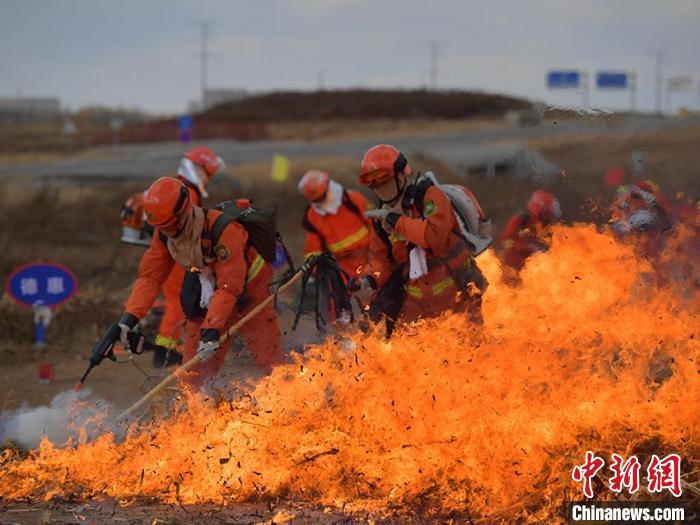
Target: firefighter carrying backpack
[
  {"x": 474, "y": 226},
  {"x": 261, "y": 226},
  {"x": 260, "y": 223}
]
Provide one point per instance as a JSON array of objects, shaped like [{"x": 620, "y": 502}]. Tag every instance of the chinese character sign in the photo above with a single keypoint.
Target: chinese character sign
[
  {"x": 662, "y": 474},
  {"x": 584, "y": 473},
  {"x": 41, "y": 284}
]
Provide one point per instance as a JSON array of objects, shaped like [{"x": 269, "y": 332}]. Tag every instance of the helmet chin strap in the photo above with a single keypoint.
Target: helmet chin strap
[
  {"x": 183, "y": 223},
  {"x": 399, "y": 193}
]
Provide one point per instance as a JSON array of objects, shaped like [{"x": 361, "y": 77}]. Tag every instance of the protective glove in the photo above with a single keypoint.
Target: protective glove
[
  {"x": 387, "y": 216},
  {"x": 131, "y": 340},
  {"x": 208, "y": 344}
]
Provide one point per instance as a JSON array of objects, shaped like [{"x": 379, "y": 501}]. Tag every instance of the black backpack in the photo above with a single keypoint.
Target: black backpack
[{"x": 260, "y": 223}]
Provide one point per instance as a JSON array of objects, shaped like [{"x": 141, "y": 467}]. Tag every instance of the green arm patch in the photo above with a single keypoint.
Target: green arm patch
[
  {"x": 221, "y": 252},
  {"x": 429, "y": 208}
]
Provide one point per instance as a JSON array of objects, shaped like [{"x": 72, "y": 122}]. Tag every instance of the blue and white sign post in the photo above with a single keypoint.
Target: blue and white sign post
[
  {"x": 41, "y": 286},
  {"x": 569, "y": 79},
  {"x": 619, "y": 80},
  {"x": 185, "y": 123}
]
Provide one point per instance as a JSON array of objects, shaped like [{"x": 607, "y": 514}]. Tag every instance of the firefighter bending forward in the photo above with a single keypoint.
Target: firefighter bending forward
[
  {"x": 197, "y": 168},
  {"x": 226, "y": 278},
  {"x": 419, "y": 266}
]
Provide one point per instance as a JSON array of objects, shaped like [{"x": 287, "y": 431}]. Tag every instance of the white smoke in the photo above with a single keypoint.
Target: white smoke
[{"x": 71, "y": 415}]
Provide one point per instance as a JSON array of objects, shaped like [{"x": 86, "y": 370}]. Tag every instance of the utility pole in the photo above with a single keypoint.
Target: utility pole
[
  {"x": 659, "y": 80},
  {"x": 585, "y": 89},
  {"x": 204, "y": 62},
  {"x": 434, "y": 58},
  {"x": 633, "y": 90}
]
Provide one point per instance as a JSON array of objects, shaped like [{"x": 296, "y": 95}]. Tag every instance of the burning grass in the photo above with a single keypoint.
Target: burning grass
[{"x": 441, "y": 418}]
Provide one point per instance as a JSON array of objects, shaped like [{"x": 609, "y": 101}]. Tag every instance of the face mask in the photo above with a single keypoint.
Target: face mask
[
  {"x": 331, "y": 203},
  {"x": 189, "y": 171}
]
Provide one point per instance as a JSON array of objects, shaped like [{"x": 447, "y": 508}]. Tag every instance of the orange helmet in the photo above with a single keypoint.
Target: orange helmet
[
  {"x": 544, "y": 205},
  {"x": 382, "y": 163},
  {"x": 165, "y": 202},
  {"x": 314, "y": 184},
  {"x": 207, "y": 159}
]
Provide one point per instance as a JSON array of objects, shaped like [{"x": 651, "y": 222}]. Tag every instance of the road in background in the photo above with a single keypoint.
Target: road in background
[{"x": 458, "y": 150}]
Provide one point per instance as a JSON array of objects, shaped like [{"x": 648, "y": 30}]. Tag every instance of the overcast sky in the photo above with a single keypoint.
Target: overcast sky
[{"x": 145, "y": 53}]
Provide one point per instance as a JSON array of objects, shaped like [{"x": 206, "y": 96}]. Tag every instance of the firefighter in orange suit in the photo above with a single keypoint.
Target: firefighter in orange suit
[
  {"x": 526, "y": 233},
  {"x": 197, "y": 168},
  {"x": 419, "y": 264},
  {"x": 334, "y": 222},
  {"x": 226, "y": 278}
]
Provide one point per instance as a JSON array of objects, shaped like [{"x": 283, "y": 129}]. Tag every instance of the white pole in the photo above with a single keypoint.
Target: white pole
[{"x": 633, "y": 91}]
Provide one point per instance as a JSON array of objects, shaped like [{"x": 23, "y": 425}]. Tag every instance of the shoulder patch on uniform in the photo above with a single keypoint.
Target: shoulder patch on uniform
[
  {"x": 221, "y": 252},
  {"x": 429, "y": 208}
]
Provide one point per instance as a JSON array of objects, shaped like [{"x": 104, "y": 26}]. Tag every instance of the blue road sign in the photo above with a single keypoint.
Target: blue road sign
[
  {"x": 41, "y": 284},
  {"x": 185, "y": 123},
  {"x": 563, "y": 79},
  {"x": 612, "y": 80}
]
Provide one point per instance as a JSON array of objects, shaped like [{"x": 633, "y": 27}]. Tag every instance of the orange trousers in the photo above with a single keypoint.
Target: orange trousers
[
  {"x": 173, "y": 320},
  {"x": 261, "y": 335}
]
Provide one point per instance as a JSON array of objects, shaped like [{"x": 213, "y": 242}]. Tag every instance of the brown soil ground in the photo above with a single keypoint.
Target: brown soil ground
[{"x": 272, "y": 513}]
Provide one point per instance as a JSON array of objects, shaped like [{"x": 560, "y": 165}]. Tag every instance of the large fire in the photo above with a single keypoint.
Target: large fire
[{"x": 589, "y": 353}]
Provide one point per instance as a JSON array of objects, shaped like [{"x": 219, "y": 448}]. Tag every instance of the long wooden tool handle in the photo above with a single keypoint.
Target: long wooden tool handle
[{"x": 192, "y": 362}]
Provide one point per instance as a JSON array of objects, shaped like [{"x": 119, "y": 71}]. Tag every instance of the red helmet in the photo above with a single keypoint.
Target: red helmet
[
  {"x": 165, "y": 202},
  {"x": 614, "y": 176},
  {"x": 207, "y": 159},
  {"x": 382, "y": 163},
  {"x": 543, "y": 203},
  {"x": 314, "y": 184}
]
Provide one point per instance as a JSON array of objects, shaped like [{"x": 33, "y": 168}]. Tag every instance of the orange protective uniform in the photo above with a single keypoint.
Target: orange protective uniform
[
  {"x": 344, "y": 234},
  {"x": 173, "y": 320},
  {"x": 447, "y": 259},
  {"x": 242, "y": 282},
  {"x": 522, "y": 236}
]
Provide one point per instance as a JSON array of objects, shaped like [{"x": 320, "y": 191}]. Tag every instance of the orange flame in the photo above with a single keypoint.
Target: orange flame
[{"x": 444, "y": 415}]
